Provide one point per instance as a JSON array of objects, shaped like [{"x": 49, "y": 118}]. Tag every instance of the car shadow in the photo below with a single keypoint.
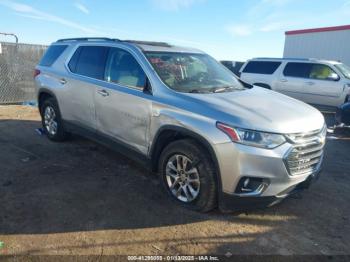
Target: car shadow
[{"x": 80, "y": 186}]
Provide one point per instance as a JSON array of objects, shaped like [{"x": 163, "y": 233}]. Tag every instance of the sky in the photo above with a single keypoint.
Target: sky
[{"x": 226, "y": 29}]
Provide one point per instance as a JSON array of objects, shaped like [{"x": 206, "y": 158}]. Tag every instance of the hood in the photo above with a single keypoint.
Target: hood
[{"x": 259, "y": 109}]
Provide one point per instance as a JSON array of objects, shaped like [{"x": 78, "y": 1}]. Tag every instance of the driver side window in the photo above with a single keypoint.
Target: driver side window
[
  {"x": 322, "y": 72},
  {"x": 122, "y": 68}
]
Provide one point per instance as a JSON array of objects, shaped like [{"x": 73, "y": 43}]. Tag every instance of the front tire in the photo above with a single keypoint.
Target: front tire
[
  {"x": 51, "y": 121},
  {"x": 188, "y": 175}
]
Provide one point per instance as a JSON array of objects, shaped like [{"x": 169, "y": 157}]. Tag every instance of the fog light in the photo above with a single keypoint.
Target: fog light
[
  {"x": 251, "y": 185},
  {"x": 246, "y": 182}
]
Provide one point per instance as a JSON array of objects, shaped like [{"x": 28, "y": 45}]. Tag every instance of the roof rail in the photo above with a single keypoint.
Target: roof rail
[
  {"x": 136, "y": 42},
  {"x": 140, "y": 42},
  {"x": 284, "y": 58},
  {"x": 87, "y": 39}
]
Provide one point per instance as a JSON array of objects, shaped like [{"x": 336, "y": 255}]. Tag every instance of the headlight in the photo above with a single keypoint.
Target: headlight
[{"x": 251, "y": 137}]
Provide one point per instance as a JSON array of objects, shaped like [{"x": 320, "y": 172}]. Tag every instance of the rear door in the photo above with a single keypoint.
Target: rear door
[
  {"x": 86, "y": 73},
  {"x": 293, "y": 79},
  {"x": 123, "y": 109}
]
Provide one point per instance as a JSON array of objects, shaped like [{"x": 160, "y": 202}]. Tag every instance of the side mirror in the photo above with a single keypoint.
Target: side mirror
[{"x": 333, "y": 77}]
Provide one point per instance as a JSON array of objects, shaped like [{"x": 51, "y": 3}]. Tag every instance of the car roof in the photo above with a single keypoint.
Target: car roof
[
  {"x": 146, "y": 46},
  {"x": 295, "y": 59}
]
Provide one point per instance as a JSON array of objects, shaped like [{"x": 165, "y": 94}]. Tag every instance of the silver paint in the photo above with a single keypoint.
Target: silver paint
[{"x": 134, "y": 116}]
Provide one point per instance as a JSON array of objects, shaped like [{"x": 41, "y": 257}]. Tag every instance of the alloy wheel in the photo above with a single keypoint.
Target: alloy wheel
[
  {"x": 182, "y": 178},
  {"x": 50, "y": 120}
]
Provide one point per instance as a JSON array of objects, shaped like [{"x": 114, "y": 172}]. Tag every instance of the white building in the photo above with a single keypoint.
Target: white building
[{"x": 330, "y": 43}]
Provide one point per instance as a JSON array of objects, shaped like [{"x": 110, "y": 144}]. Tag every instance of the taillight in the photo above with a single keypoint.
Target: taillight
[{"x": 36, "y": 73}]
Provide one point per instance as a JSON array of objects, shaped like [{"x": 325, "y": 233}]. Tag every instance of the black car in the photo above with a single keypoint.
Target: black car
[{"x": 233, "y": 66}]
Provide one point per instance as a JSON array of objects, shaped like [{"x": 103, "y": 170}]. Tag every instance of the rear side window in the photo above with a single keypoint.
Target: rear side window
[
  {"x": 297, "y": 70},
  {"x": 74, "y": 60},
  {"x": 89, "y": 61},
  {"x": 261, "y": 67},
  {"x": 51, "y": 55}
]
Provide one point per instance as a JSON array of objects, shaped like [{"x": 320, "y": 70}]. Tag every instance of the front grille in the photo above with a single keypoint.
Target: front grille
[{"x": 307, "y": 153}]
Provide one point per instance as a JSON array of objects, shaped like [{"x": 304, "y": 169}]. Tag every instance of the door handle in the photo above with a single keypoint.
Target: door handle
[
  {"x": 284, "y": 80},
  {"x": 63, "y": 81},
  {"x": 103, "y": 92},
  {"x": 310, "y": 83}
]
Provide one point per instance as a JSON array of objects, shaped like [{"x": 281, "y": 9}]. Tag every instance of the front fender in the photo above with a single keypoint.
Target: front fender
[{"x": 187, "y": 121}]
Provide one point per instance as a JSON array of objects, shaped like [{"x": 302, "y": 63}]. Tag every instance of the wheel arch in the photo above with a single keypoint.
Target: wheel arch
[
  {"x": 44, "y": 94},
  {"x": 170, "y": 133}
]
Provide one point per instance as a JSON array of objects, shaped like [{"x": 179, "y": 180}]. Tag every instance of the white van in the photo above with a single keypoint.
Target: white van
[{"x": 324, "y": 84}]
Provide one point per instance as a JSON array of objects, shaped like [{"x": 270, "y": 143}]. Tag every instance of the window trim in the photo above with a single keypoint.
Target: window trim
[
  {"x": 309, "y": 78},
  {"x": 103, "y": 80}
]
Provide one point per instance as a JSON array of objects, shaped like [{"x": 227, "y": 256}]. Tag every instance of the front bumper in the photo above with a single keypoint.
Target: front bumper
[
  {"x": 238, "y": 161},
  {"x": 229, "y": 202}
]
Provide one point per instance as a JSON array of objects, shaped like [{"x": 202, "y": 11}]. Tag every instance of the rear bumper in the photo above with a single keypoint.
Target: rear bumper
[{"x": 233, "y": 203}]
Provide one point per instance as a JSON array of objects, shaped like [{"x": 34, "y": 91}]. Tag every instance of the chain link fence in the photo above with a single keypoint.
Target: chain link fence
[{"x": 17, "y": 63}]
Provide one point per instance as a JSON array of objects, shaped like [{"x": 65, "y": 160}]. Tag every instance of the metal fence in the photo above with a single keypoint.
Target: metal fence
[{"x": 17, "y": 63}]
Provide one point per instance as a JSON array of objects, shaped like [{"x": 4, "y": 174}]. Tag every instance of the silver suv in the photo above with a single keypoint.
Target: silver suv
[
  {"x": 185, "y": 116},
  {"x": 322, "y": 83}
]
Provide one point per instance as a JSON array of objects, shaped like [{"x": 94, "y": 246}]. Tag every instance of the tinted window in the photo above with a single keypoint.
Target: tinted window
[
  {"x": 261, "y": 67},
  {"x": 123, "y": 69},
  {"x": 297, "y": 70},
  {"x": 51, "y": 55},
  {"x": 89, "y": 61},
  {"x": 322, "y": 72}
]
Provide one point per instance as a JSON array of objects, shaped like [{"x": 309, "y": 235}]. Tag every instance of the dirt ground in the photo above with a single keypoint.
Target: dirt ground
[{"x": 80, "y": 198}]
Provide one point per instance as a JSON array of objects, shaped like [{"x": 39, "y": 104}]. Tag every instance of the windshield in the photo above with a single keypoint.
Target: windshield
[
  {"x": 344, "y": 69},
  {"x": 193, "y": 73}
]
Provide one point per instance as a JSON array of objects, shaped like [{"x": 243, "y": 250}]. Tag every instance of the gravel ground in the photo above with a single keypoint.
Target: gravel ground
[{"x": 80, "y": 198}]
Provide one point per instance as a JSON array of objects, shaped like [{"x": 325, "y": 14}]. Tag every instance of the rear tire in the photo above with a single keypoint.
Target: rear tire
[
  {"x": 51, "y": 120},
  {"x": 184, "y": 166}
]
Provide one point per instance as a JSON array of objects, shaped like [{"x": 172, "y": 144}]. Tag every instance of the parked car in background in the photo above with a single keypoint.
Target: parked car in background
[
  {"x": 233, "y": 66},
  {"x": 342, "y": 115},
  {"x": 324, "y": 84},
  {"x": 179, "y": 111}
]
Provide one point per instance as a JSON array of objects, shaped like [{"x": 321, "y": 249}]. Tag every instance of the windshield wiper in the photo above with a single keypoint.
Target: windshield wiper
[
  {"x": 221, "y": 89},
  {"x": 214, "y": 89},
  {"x": 195, "y": 91}
]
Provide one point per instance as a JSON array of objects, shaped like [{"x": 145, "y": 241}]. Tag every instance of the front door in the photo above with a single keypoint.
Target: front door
[
  {"x": 312, "y": 83},
  {"x": 123, "y": 110},
  {"x": 323, "y": 86}
]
